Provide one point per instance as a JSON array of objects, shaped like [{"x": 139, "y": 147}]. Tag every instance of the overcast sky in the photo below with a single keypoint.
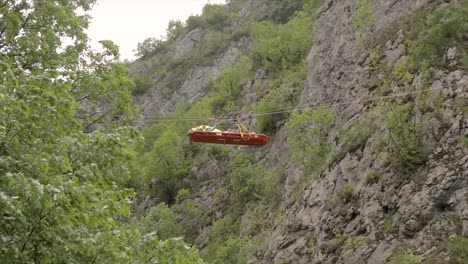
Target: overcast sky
[{"x": 128, "y": 22}]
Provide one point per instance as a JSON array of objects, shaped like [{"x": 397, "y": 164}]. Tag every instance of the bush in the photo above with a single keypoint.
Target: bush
[
  {"x": 372, "y": 176},
  {"x": 221, "y": 104},
  {"x": 429, "y": 32},
  {"x": 175, "y": 74},
  {"x": 337, "y": 203},
  {"x": 162, "y": 221},
  {"x": 308, "y": 138},
  {"x": 214, "y": 17},
  {"x": 182, "y": 194},
  {"x": 175, "y": 28},
  {"x": 353, "y": 138},
  {"x": 387, "y": 225},
  {"x": 150, "y": 46},
  {"x": 230, "y": 251},
  {"x": 285, "y": 92},
  {"x": 187, "y": 209},
  {"x": 346, "y": 193},
  {"x": 240, "y": 33},
  {"x": 276, "y": 100},
  {"x": 168, "y": 163},
  {"x": 407, "y": 152},
  {"x": 165, "y": 156},
  {"x": 400, "y": 256},
  {"x": 226, "y": 88},
  {"x": 271, "y": 193},
  {"x": 246, "y": 179},
  {"x": 267, "y": 123},
  {"x": 207, "y": 52},
  {"x": 458, "y": 250},
  {"x": 402, "y": 73},
  {"x": 355, "y": 242},
  {"x": 220, "y": 195},
  {"x": 228, "y": 81},
  {"x": 217, "y": 17},
  {"x": 463, "y": 140},
  {"x": 142, "y": 84},
  {"x": 277, "y": 47},
  {"x": 222, "y": 231},
  {"x": 188, "y": 213},
  {"x": 281, "y": 11},
  {"x": 445, "y": 28},
  {"x": 194, "y": 22},
  {"x": 364, "y": 21}
]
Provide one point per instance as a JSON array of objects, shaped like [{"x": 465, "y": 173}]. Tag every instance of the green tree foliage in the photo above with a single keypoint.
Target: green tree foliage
[
  {"x": 166, "y": 156},
  {"x": 170, "y": 251},
  {"x": 102, "y": 86},
  {"x": 31, "y": 40},
  {"x": 31, "y": 33},
  {"x": 162, "y": 221},
  {"x": 168, "y": 163},
  {"x": 61, "y": 189},
  {"x": 175, "y": 28},
  {"x": 308, "y": 137},
  {"x": 151, "y": 46},
  {"x": 276, "y": 100}
]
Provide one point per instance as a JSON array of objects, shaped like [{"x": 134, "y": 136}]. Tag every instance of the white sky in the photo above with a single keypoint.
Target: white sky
[{"x": 128, "y": 22}]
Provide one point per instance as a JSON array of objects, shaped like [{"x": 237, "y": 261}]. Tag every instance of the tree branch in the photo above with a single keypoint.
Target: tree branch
[
  {"x": 34, "y": 227},
  {"x": 98, "y": 119},
  {"x": 83, "y": 98},
  {"x": 97, "y": 254}
]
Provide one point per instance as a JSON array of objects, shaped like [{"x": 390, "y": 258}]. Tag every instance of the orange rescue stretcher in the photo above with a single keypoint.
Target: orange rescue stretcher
[{"x": 207, "y": 134}]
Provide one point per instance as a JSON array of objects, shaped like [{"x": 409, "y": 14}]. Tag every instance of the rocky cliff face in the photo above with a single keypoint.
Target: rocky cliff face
[
  {"x": 359, "y": 208},
  {"x": 421, "y": 211}
]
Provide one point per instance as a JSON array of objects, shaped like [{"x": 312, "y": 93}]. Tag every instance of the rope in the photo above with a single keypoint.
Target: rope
[
  {"x": 243, "y": 130},
  {"x": 280, "y": 111},
  {"x": 297, "y": 108}
]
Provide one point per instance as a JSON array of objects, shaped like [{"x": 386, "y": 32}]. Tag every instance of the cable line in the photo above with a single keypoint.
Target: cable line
[{"x": 292, "y": 108}]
